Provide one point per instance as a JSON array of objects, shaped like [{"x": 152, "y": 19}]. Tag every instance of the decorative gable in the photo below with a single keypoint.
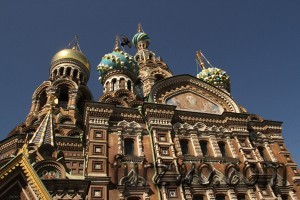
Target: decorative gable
[
  {"x": 189, "y": 93},
  {"x": 18, "y": 180}
]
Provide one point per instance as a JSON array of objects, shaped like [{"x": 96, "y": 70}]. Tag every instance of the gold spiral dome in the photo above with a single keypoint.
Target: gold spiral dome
[{"x": 72, "y": 54}]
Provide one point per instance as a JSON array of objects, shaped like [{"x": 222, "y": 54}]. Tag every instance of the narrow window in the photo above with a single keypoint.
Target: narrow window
[
  {"x": 129, "y": 85},
  {"x": 203, "y": 145},
  {"x": 61, "y": 71},
  {"x": 129, "y": 147},
  {"x": 261, "y": 152},
  {"x": 43, "y": 99},
  {"x": 222, "y": 147},
  {"x": 122, "y": 83},
  {"x": 63, "y": 97},
  {"x": 75, "y": 73},
  {"x": 184, "y": 144},
  {"x": 114, "y": 85},
  {"x": 68, "y": 72}
]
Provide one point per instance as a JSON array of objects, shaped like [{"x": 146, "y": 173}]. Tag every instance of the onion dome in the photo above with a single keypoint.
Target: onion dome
[
  {"x": 141, "y": 36},
  {"x": 71, "y": 54},
  {"x": 216, "y": 77},
  {"x": 117, "y": 60}
]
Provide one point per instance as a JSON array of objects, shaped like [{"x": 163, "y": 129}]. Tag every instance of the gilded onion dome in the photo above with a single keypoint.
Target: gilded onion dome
[
  {"x": 117, "y": 60},
  {"x": 216, "y": 77},
  {"x": 71, "y": 54}
]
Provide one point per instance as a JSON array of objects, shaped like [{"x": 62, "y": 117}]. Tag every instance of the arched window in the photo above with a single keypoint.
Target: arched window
[
  {"x": 61, "y": 71},
  {"x": 42, "y": 99},
  {"x": 75, "y": 73},
  {"x": 107, "y": 87},
  {"x": 122, "y": 83},
  {"x": 68, "y": 72},
  {"x": 204, "y": 149},
  {"x": 184, "y": 144},
  {"x": 129, "y": 85},
  {"x": 222, "y": 147},
  {"x": 55, "y": 72},
  {"x": 80, "y": 77},
  {"x": 129, "y": 147},
  {"x": 63, "y": 98},
  {"x": 114, "y": 84}
]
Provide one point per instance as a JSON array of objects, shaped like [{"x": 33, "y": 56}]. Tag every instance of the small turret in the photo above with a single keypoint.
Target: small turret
[
  {"x": 213, "y": 75},
  {"x": 117, "y": 73},
  {"x": 151, "y": 68}
]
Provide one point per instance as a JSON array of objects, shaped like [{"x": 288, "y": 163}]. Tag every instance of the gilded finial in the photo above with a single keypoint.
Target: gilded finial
[
  {"x": 199, "y": 59},
  {"x": 140, "y": 29},
  {"x": 117, "y": 44},
  {"x": 74, "y": 44}
]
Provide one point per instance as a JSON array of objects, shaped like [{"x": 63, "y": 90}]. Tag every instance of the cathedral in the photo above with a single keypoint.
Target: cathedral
[{"x": 151, "y": 135}]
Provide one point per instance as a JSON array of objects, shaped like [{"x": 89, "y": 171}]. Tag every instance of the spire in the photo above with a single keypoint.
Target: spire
[
  {"x": 74, "y": 44},
  {"x": 199, "y": 59},
  {"x": 139, "y": 29},
  {"x": 117, "y": 44},
  {"x": 44, "y": 133}
]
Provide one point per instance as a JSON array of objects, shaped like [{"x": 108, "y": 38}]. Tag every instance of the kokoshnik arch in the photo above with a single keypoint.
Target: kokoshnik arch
[{"x": 151, "y": 135}]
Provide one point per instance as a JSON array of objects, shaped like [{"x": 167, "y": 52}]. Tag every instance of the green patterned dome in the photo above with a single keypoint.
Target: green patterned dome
[
  {"x": 140, "y": 36},
  {"x": 116, "y": 60},
  {"x": 214, "y": 76}
]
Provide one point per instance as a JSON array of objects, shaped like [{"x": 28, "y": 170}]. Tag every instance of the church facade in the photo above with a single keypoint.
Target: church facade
[{"x": 151, "y": 135}]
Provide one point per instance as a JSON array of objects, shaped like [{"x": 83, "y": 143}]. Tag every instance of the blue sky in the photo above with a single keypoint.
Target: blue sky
[{"x": 256, "y": 42}]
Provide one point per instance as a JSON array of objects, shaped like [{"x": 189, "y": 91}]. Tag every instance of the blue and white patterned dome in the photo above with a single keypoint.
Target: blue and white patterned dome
[{"x": 116, "y": 60}]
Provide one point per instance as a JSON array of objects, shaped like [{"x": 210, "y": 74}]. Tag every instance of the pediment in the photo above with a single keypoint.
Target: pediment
[{"x": 191, "y": 94}]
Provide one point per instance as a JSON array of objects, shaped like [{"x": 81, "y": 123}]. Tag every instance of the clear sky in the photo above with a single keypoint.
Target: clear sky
[{"x": 256, "y": 42}]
